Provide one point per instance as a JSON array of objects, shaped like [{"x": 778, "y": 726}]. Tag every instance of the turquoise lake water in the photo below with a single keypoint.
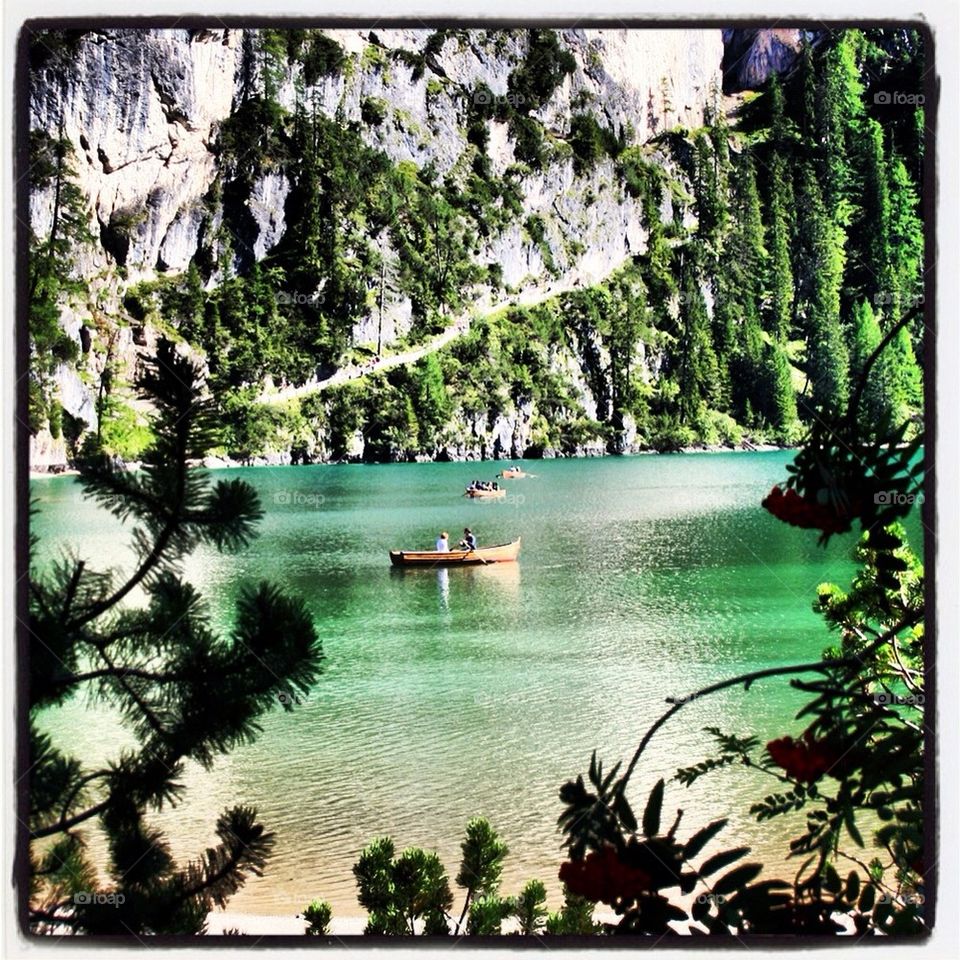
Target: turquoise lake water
[{"x": 481, "y": 690}]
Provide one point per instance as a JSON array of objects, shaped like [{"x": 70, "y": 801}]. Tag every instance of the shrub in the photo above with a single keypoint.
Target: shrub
[
  {"x": 373, "y": 111},
  {"x": 318, "y": 915},
  {"x": 323, "y": 57},
  {"x": 589, "y": 142},
  {"x": 527, "y": 134}
]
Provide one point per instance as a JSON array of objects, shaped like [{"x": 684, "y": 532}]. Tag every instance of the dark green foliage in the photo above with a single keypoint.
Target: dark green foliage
[
  {"x": 481, "y": 866},
  {"x": 319, "y": 55},
  {"x": 818, "y": 297},
  {"x": 318, "y": 915},
  {"x": 590, "y": 142},
  {"x": 435, "y": 244},
  {"x": 575, "y": 918},
  {"x": 776, "y": 399},
  {"x": 322, "y": 57},
  {"x": 546, "y": 65},
  {"x": 536, "y": 228},
  {"x": 906, "y": 243},
  {"x": 530, "y": 908},
  {"x": 373, "y": 111},
  {"x": 252, "y": 139},
  {"x": 839, "y": 108},
  {"x": 487, "y": 914},
  {"x": 400, "y": 892},
  {"x": 893, "y": 389},
  {"x": 184, "y": 692},
  {"x": 431, "y": 401},
  {"x": 698, "y": 373},
  {"x": 529, "y": 86},
  {"x": 780, "y": 313},
  {"x": 527, "y": 134},
  {"x": 709, "y": 182},
  {"x": 873, "y": 278}
]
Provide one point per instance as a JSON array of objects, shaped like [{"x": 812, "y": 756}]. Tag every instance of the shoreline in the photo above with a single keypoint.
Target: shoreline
[{"x": 36, "y": 472}]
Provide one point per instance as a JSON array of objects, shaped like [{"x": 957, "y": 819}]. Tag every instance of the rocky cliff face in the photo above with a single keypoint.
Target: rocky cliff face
[
  {"x": 143, "y": 109},
  {"x": 751, "y": 56}
]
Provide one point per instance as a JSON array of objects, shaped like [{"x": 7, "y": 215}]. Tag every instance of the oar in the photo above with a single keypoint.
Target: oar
[{"x": 467, "y": 554}]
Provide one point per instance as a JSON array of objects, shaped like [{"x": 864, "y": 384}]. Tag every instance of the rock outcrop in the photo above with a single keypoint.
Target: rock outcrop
[
  {"x": 751, "y": 56},
  {"x": 143, "y": 111}
]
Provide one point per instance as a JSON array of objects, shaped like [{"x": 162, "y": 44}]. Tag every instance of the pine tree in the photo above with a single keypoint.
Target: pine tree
[
  {"x": 877, "y": 282},
  {"x": 746, "y": 244},
  {"x": 781, "y": 267},
  {"x": 839, "y": 111},
  {"x": 627, "y": 316},
  {"x": 782, "y": 400},
  {"x": 821, "y": 261},
  {"x": 699, "y": 376},
  {"x": 52, "y": 259},
  {"x": 430, "y": 400},
  {"x": 866, "y": 337},
  {"x": 893, "y": 390},
  {"x": 738, "y": 289},
  {"x": 899, "y": 379},
  {"x": 906, "y": 240},
  {"x": 183, "y": 692},
  {"x": 709, "y": 190},
  {"x": 808, "y": 92}
]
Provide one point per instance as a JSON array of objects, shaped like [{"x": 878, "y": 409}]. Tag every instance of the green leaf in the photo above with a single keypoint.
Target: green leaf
[
  {"x": 866, "y": 898},
  {"x": 853, "y": 887},
  {"x": 852, "y": 827},
  {"x": 651, "y": 815},
  {"x": 700, "y": 909},
  {"x": 720, "y": 860},
  {"x": 701, "y": 838},
  {"x": 688, "y": 881},
  {"x": 737, "y": 878},
  {"x": 623, "y": 810}
]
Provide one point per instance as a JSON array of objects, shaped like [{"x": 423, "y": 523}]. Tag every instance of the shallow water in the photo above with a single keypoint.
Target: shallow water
[{"x": 448, "y": 694}]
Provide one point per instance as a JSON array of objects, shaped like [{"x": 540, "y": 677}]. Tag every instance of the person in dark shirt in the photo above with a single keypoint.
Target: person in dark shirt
[{"x": 469, "y": 541}]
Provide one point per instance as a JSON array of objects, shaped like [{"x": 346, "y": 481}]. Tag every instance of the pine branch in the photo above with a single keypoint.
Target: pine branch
[{"x": 64, "y": 825}]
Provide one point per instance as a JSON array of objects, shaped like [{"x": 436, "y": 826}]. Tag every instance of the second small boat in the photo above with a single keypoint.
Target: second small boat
[{"x": 477, "y": 494}]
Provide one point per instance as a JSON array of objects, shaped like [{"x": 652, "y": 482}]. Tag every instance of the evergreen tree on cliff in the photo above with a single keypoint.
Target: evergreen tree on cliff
[
  {"x": 144, "y": 644},
  {"x": 822, "y": 258}
]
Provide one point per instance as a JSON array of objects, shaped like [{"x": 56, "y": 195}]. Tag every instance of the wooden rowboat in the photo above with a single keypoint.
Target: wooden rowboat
[
  {"x": 486, "y": 494},
  {"x": 504, "y": 553},
  {"x": 514, "y": 474}
]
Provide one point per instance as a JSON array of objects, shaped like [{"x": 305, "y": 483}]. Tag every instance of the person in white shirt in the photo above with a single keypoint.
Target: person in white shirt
[{"x": 443, "y": 543}]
